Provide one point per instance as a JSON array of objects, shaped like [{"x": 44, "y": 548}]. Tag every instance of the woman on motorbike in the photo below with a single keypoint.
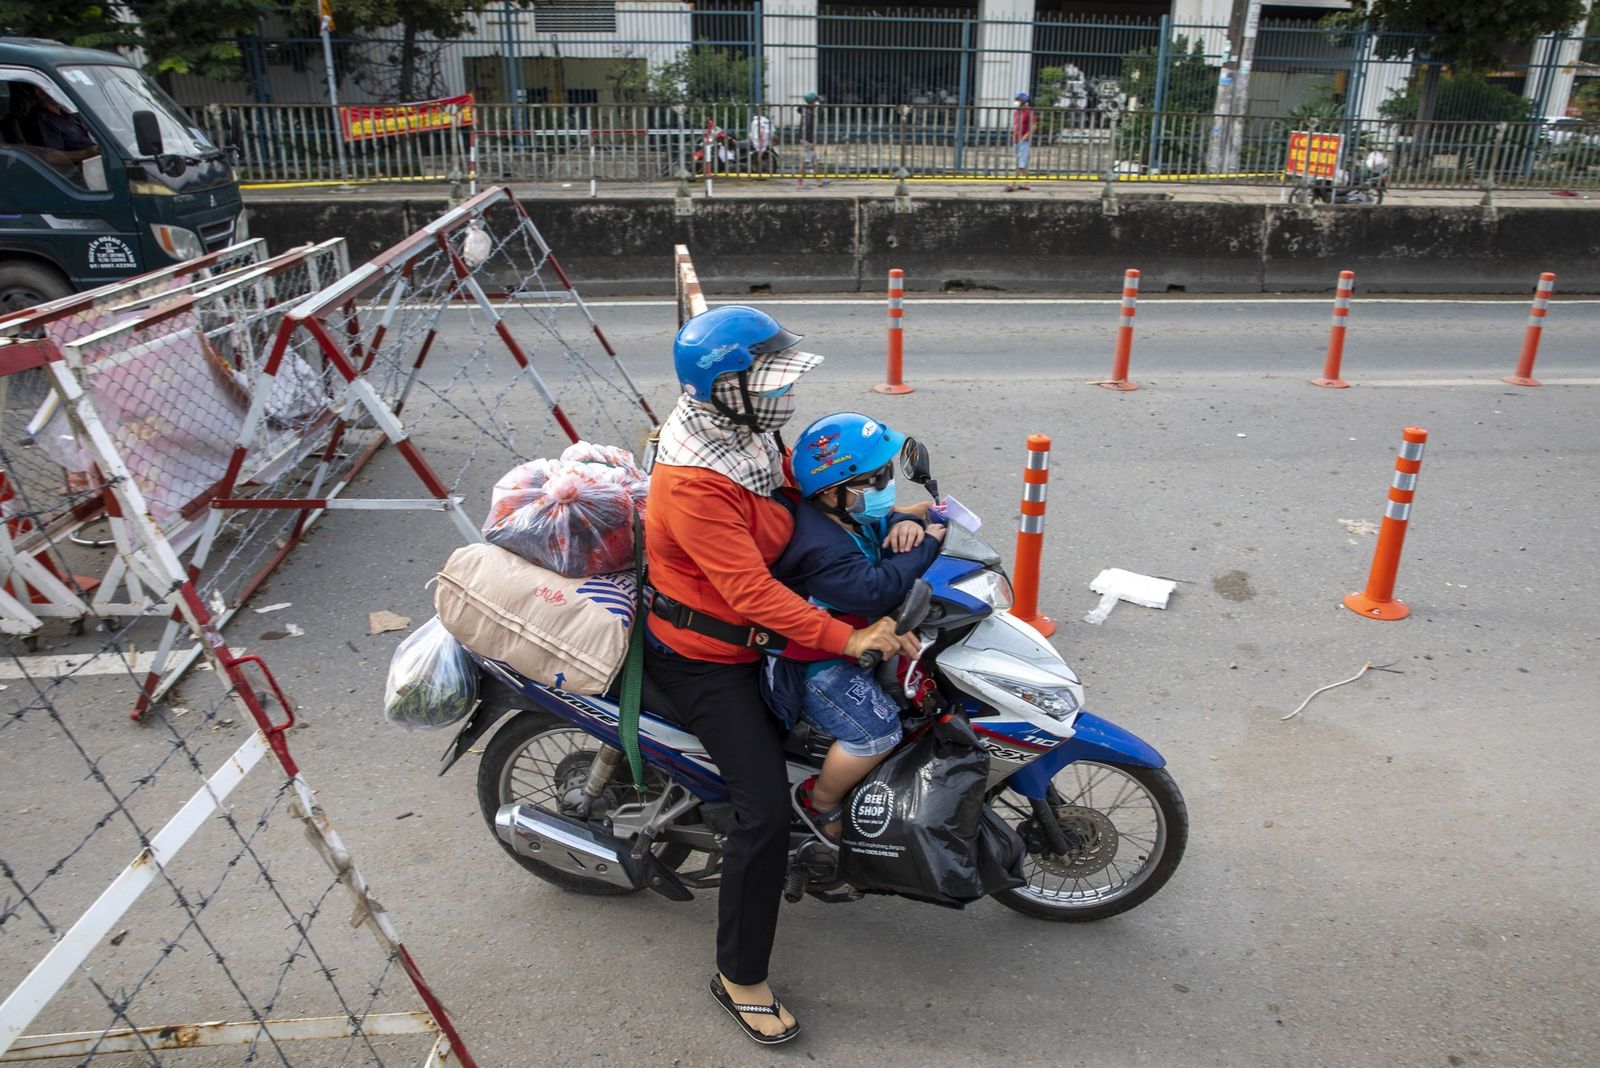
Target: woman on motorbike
[{"x": 712, "y": 532}]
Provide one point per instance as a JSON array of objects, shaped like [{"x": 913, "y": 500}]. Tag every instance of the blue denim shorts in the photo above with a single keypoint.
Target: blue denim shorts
[{"x": 845, "y": 701}]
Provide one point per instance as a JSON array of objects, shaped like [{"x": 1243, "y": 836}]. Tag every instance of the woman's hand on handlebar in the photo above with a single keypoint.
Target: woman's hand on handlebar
[{"x": 881, "y": 639}]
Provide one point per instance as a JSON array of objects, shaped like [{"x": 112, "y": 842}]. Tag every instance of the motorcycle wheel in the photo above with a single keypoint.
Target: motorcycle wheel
[
  {"x": 1128, "y": 825},
  {"x": 535, "y": 759}
]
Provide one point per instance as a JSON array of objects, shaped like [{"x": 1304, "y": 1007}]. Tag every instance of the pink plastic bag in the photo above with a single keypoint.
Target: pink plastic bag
[{"x": 573, "y": 516}]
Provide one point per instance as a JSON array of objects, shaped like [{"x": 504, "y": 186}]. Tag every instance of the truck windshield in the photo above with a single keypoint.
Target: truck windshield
[{"x": 115, "y": 93}]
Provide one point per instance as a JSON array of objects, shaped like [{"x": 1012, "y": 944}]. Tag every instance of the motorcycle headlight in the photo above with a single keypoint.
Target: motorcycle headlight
[
  {"x": 991, "y": 588},
  {"x": 1057, "y": 701}
]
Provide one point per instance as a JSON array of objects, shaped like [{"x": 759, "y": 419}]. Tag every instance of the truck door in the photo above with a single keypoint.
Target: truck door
[{"x": 74, "y": 216}]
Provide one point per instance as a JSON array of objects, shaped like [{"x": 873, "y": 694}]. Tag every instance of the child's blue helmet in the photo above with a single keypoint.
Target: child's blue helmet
[
  {"x": 723, "y": 341},
  {"x": 840, "y": 447}
]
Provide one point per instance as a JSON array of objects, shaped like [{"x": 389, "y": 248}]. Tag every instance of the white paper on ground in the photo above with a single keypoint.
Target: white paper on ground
[
  {"x": 959, "y": 514},
  {"x": 1139, "y": 589},
  {"x": 1108, "y": 601}
]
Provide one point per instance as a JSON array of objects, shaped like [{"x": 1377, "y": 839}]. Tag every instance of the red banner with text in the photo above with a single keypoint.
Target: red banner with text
[
  {"x": 365, "y": 122},
  {"x": 1313, "y": 155}
]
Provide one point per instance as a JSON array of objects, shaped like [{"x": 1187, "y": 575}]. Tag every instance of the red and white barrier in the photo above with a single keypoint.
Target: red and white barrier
[
  {"x": 1523, "y": 375},
  {"x": 1130, "y": 307},
  {"x": 1377, "y": 601},
  {"x": 894, "y": 378},
  {"x": 1341, "y": 313}
]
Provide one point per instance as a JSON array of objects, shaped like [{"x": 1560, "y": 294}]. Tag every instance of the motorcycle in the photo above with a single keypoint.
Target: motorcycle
[
  {"x": 1103, "y": 822},
  {"x": 1367, "y": 186},
  {"x": 746, "y": 155}
]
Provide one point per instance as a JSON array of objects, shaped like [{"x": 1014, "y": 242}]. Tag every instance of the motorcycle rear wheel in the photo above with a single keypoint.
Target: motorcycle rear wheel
[
  {"x": 1129, "y": 826},
  {"x": 533, "y": 760}
]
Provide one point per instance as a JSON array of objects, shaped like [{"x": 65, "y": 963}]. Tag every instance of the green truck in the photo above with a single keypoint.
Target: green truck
[{"x": 102, "y": 175}]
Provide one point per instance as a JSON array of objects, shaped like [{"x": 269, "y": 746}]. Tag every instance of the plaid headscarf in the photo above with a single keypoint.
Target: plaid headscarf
[{"x": 698, "y": 435}]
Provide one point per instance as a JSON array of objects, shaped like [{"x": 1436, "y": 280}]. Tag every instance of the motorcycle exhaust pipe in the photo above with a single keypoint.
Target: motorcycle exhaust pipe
[{"x": 566, "y": 845}]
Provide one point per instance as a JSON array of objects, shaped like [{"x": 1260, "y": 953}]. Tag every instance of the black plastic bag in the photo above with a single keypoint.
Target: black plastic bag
[{"x": 916, "y": 826}]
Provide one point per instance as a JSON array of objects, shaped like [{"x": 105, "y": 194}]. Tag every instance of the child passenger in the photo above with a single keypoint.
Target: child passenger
[{"x": 854, "y": 554}]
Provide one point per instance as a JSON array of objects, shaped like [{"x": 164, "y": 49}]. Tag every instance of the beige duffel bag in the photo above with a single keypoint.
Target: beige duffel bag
[{"x": 570, "y": 633}]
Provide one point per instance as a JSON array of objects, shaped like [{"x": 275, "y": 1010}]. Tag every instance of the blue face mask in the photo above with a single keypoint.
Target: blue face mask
[{"x": 874, "y": 504}]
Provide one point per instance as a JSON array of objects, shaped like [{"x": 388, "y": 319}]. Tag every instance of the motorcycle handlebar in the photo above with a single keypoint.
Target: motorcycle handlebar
[{"x": 869, "y": 659}]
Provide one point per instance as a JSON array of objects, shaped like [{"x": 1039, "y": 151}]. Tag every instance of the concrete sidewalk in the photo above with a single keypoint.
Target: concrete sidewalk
[{"x": 783, "y": 188}]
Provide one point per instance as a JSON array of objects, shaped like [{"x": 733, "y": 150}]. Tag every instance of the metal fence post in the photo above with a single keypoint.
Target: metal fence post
[
  {"x": 758, "y": 59},
  {"x": 963, "y": 95},
  {"x": 1159, "y": 97}
]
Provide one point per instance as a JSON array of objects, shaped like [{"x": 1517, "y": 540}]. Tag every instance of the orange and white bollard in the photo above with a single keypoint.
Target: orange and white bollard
[
  {"x": 1377, "y": 601},
  {"x": 895, "y": 382},
  {"x": 1130, "y": 305},
  {"x": 1341, "y": 313},
  {"x": 1530, "y": 339},
  {"x": 1030, "y": 538}
]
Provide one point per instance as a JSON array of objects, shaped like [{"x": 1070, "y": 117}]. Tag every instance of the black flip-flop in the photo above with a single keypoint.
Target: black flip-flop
[{"x": 720, "y": 992}]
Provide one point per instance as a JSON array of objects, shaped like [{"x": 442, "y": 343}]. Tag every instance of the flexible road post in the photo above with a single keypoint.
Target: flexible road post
[
  {"x": 1130, "y": 305},
  {"x": 1377, "y": 601},
  {"x": 1530, "y": 339},
  {"x": 1030, "y": 538},
  {"x": 1341, "y": 313},
  {"x": 895, "y": 382}
]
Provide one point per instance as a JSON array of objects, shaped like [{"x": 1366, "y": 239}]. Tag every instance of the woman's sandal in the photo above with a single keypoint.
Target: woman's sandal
[
  {"x": 720, "y": 992},
  {"x": 800, "y": 796}
]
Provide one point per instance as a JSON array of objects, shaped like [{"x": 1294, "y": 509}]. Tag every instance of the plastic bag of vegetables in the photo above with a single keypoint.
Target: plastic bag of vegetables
[{"x": 432, "y": 681}]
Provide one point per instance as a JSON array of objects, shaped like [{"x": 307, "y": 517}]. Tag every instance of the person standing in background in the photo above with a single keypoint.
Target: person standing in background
[
  {"x": 1021, "y": 139},
  {"x": 808, "y": 140}
]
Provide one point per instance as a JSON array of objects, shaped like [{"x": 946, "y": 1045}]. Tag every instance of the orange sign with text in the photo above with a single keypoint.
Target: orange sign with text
[
  {"x": 364, "y": 122},
  {"x": 1313, "y": 155}
]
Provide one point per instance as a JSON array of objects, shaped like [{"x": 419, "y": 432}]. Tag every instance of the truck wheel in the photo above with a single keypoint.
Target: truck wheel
[{"x": 22, "y": 285}]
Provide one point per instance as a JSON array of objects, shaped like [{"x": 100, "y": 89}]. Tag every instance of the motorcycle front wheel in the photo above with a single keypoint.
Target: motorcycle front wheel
[
  {"x": 535, "y": 759},
  {"x": 1126, "y": 828}
]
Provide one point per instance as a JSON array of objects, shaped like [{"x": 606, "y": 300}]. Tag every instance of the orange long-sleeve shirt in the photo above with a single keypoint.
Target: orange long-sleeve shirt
[{"x": 711, "y": 544}]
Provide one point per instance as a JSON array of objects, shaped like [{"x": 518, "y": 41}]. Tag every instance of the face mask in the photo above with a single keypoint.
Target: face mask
[
  {"x": 874, "y": 504},
  {"x": 771, "y": 411}
]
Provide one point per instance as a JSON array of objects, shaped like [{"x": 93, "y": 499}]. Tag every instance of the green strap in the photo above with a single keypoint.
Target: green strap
[{"x": 633, "y": 667}]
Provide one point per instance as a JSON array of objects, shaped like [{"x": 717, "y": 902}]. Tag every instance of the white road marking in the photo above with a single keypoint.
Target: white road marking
[
  {"x": 1475, "y": 382},
  {"x": 76, "y": 664}
]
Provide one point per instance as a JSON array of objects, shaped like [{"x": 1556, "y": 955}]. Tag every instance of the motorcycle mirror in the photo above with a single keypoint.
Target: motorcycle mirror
[
  {"x": 914, "y": 461},
  {"x": 914, "y": 609}
]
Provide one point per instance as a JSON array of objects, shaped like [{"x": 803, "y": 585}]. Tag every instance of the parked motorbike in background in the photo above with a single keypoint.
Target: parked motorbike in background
[
  {"x": 754, "y": 153},
  {"x": 1366, "y": 186},
  {"x": 1103, "y": 823}
]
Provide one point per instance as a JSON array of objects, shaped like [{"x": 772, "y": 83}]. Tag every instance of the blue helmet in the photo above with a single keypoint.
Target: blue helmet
[
  {"x": 1024, "y": 97},
  {"x": 723, "y": 341},
  {"x": 840, "y": 447}
]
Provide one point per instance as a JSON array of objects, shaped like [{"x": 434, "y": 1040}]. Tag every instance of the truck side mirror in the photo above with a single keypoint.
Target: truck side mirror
[{"x": 147, "y": 133}]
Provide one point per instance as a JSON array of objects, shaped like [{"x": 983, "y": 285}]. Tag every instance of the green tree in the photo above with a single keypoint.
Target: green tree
[
  {"x": 701, "y": 74},
  {"x": 178, "y": 36},
  {"x": 1190, "y": 95},
  {"x": 1460, "y": 98},
  {"x": 1464, "y": 35},
  {"x": 396, "y": 77}
]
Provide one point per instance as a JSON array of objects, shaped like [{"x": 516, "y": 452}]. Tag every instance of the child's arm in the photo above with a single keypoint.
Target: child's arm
[{"x": 851, "y": 583}]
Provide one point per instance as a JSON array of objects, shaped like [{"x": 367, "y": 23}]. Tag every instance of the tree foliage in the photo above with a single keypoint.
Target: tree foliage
[
  {"x": 703, "y": 75},
  {"x": 177, "y": 36},
  {"x": 1463, "y": 34},
  {"x": 1461, "y": 98},
  {"x": 1191, "y": 90}
]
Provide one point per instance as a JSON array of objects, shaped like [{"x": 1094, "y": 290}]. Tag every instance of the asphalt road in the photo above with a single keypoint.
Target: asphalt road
[{"x": 1403, "y": 874}]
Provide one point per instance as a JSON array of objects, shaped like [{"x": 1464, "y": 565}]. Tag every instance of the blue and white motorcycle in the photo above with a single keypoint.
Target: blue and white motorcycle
[{"x": 1104, "y": 824}]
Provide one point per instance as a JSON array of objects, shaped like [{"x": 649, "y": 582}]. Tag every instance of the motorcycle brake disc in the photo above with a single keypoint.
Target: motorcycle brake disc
[{"x": 1093, "y": 840}]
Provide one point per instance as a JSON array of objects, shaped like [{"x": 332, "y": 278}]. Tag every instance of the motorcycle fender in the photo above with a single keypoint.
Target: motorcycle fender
[
  {"x": 495, "y": 699},
  {"x": 1092, "y": 738}
]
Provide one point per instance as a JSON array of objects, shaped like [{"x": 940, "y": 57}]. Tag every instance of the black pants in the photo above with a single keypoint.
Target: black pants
[{"x": 721, "y": 703}]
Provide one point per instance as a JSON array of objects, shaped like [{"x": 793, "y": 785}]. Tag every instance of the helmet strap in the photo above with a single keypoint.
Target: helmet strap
[
  {"x": 828, "y": 501},
  {"x": 748, "y": 417}
]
